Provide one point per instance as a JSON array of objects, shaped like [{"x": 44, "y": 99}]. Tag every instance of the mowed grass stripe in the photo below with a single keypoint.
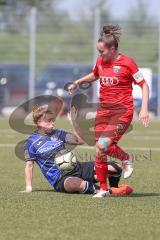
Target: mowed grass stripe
[
  {"x": 90, "y": 147},
  {"x": 47, "y": 215}
]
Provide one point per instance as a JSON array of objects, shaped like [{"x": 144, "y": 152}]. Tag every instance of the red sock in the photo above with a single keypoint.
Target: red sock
[
  {"x": 116, "y": 152},
  {"x": 101, "y": 168}
]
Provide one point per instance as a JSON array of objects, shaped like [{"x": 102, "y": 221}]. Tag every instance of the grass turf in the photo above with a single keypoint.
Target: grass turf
[{"x": 45, "y": 214}]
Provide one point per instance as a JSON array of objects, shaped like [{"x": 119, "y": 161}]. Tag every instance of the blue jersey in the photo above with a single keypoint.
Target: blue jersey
[{"x": 42, "y": 149}]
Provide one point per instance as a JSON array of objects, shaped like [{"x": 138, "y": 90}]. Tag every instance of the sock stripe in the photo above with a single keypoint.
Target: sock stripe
[{"x": 86, "y": 188}]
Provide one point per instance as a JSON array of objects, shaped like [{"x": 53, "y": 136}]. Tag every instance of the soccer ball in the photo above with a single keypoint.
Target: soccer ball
[{"x": 66, "y": 160}]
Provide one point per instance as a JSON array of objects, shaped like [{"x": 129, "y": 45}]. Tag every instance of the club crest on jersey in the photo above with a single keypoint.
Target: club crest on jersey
[
  {"x": 54, "y": 138},
  {"x": 116, "y": 69},
  {"x": 119, "y": 129}
]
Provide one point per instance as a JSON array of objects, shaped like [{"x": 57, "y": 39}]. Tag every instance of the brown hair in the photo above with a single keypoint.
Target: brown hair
[
  {"x": 53, "y": 107},
  {"x": 110, "y": 35},
  {"x": 38, "y": 112}
]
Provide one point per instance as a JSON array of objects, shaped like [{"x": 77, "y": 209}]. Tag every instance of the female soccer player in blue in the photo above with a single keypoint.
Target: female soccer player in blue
[{"x": 43, "y": 145}]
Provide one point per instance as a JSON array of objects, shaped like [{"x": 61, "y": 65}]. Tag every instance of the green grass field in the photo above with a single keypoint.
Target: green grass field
[{"x": 46, "y": 215}]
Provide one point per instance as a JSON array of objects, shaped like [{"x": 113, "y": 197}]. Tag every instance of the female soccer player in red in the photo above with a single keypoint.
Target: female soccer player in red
[{"x": 116, "y": 73}]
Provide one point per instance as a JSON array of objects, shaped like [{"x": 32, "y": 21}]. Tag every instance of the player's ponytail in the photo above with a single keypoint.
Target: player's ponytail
[{"x": 110, "y": 35}]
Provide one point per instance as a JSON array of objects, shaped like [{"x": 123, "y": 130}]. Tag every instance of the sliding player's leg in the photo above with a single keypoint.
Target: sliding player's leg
[
  {"x": 79, "y": 180},
  {"x": 75, "y": 184},
  {"x": 114, "y": 173},
  {"x": 85, "y": 181}
]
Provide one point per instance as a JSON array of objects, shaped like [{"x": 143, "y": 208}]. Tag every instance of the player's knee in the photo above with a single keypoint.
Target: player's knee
[
  {"x": 74, "y": 185},
  {"x": 70, "y": 185},
  {"x": 115, "y": 172},
  {"x": 102, "y": 144},
  {"x": 77, "y": 185},
  {"x": 115, "y": 176},
  {"x": 117, "y": 169}
]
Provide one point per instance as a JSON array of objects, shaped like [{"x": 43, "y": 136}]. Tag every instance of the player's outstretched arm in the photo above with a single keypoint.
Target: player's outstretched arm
[
  {"x": 76, "y": 130},
  {"x": 73, "y": 139},
  {"x": 28, "y": 176},
  {"x": 87, "y": 78},
  {"x": 144, "y": 115}
]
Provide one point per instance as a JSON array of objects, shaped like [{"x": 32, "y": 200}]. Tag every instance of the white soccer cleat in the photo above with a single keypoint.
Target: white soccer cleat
[
  {"x": 127, "y": 166},
  {"x": 102, "y": 193}
]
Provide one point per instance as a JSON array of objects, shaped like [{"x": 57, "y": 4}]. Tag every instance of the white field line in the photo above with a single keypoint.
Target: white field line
[
  {"x": 128, "y": 148},
  {"x": 144, "y": 137},
  {"x": 7, "y": 145},
  {"x": 147, "y": 136},
  {"x": 131, "y": 137},
  {"x": 90, "y": 147},
  {"x": 146, "y": 131},
  {"x": 134, "y": 134},
  {"x": 141, "y": 133}
]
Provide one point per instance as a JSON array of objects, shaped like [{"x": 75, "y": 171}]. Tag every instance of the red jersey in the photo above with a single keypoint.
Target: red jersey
[{"x": 116, "y": 80}]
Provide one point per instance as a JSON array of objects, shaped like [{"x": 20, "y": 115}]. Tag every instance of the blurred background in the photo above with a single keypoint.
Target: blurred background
[{"x": 45, "y": 44}]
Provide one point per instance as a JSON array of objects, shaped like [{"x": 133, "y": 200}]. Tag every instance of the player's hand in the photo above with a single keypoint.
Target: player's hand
[
  {"x": 71, "y": 88},
  {"x": 144, "y": 117}
]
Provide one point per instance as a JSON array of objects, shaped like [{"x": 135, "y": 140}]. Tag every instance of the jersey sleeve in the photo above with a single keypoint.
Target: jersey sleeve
[
  {"x": 66, "y": 137},
  {"x": 95, "y": 69},
  {"x": 71, "y": 139},
  {"x": 61, "y": 134},
  {"x": 135, "y": 73},
  {"x": 29, "y": 152}
]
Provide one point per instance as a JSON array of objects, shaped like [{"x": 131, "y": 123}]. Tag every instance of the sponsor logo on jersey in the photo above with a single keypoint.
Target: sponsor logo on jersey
[
  {"x": 109, "y": 81},
  {"x": 116, "y": 69},
  {"x": 54, "y": 138},
  {"x": 49, "y": 146},
  {"x": 138, "y": 77},
  {"x": 119, "y": 129},
  {"x": 39, "y": 143}
]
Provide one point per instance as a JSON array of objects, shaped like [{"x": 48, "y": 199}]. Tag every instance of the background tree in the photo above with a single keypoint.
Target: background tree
[
  {"x": 138, "y": 19},
  {"x": 14, "y": 14}
]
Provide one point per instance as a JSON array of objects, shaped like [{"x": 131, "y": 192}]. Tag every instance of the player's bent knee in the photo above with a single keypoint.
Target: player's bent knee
[
  {"x": 114, "y": 176},
  {"x": 103, "y": 144},
  {"x": 78, "y": 185},
  {"x": 73, "y": 184},
  {"x": 117, "y": 168}
]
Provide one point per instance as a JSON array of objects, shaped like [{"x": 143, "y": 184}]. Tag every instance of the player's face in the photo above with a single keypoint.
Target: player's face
[
  {"x": 46, "y": 123},
  {"x": 107, "y": 54}
]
